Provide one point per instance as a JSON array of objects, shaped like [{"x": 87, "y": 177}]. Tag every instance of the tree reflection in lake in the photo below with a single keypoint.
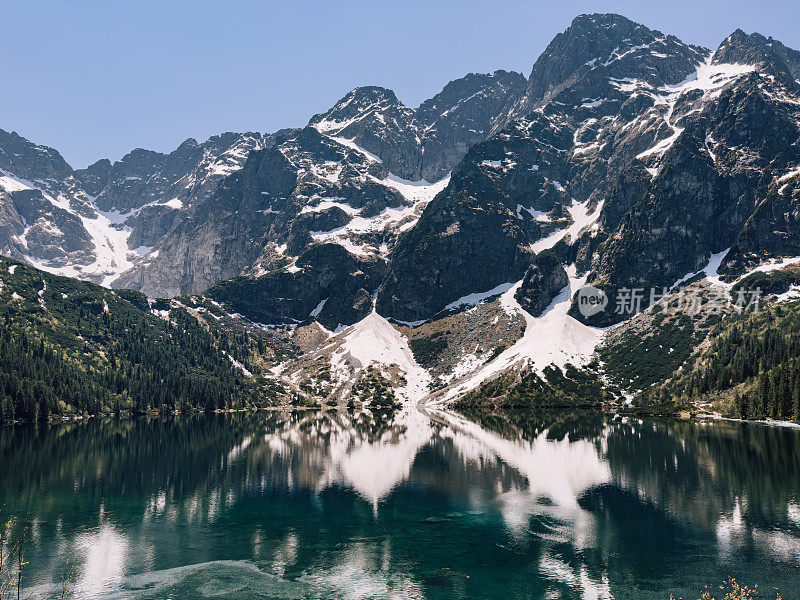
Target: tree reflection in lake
[{"x": 419, "y": 504}]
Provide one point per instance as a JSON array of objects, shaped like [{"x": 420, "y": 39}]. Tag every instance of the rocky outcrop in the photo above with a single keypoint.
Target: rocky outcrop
[
  {"x": 460, "y": 116},
  {"x": 606, "y": 43},
  {"x": 328, "y": 284},
  {"x": 467, "y": 240},
  {"x": 31, "y": 161},
  {"x": 764, "y": 52},
  {"x": 543, "y": 281}
]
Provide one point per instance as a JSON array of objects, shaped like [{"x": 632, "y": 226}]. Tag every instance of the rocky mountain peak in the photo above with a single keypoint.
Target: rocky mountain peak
[
  {"x": 610, "y": 25},
  {"x": 94, "y": 177},
  {"x": 596, "y": 47},
  {"x": 188, "y": 143},
  {"x": 466, "y": 88},
  {"x": 358, "y": 104},
  {"x": 29, "y": 160},
  {"x": 426, "y": 142},
  {"x": 759, "y": 51}
]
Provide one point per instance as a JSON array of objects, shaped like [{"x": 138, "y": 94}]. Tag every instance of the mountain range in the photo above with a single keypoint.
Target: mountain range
[{"x": 445, "y": 244}]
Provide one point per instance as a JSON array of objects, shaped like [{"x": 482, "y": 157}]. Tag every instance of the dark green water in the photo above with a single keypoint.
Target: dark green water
[{"x": 415, "y": 506}]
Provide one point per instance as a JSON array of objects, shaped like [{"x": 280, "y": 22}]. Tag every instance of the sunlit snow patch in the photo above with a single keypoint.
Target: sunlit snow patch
[
  {"x": 554, "y": 338},
  {"x": 402, "y": 218},
  {"x": 373, "y": 340},
  {"x": 581, "y": 219}
]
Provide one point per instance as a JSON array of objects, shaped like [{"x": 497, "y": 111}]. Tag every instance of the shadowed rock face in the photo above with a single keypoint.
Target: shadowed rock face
[
  {"x": 189, "y": 173},
  {"x": 543, "y": 281},
  {"x": 461, "y": 115},
  {"x": 719, "y": 187},
  {"x": 330, "y": 285},
  {"x": 464, "y": 242},
  {"x": 30, "y": 161}
]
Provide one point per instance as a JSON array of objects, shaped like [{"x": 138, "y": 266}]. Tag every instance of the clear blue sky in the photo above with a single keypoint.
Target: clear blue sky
[{"x": 96, "y": 79}]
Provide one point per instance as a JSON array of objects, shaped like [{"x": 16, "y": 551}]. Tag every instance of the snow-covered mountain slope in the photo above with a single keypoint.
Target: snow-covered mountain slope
[
  {"x": 97, "y": 223},
  {"x": 670, "y": 148},
  {"x": 47, "y": 219},
  {"x": 163, "y": 224},
  {"x": 359, "y": 176},
  {"x": 635, "y": 176},
  {"x": 309, "y": 189},
  {"x": 552, "y": 338}
]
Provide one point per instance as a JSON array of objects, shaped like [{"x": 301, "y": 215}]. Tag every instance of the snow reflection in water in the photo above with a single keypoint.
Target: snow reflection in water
[{"x": 421, "y": 504}]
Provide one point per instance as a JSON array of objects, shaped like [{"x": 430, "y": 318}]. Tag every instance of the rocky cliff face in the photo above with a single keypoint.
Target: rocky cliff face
[
  {"x": 98, "y": 222},
  {"x": 43, "y": 208},
  {"x": 723, "y": 185},
  {"x": 543, "y": 281},
  {"x": 306, "y": 190},
  {"x": 327, "y": 284}
]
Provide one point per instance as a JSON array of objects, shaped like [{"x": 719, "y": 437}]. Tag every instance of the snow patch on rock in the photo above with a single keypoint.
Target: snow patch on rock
[
  {"x": 553, "y": 338},
  {"x": 374, "y": 341}
]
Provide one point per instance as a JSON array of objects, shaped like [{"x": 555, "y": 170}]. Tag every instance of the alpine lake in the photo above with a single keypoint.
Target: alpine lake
[{"x": 422, "y": 503}]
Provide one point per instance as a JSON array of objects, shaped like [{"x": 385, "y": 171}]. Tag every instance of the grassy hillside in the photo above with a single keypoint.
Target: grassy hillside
[{"x": 70, "y": 347}]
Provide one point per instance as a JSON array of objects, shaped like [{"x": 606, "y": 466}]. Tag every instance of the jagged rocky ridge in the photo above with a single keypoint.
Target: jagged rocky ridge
[
  {"x": 162, "y": 223},
  {"x": 654, "y": 170},
  {"x": 634, "y": 159},
  {"x": 423, "y": 143},
  {"x": 96, "y": 223}
]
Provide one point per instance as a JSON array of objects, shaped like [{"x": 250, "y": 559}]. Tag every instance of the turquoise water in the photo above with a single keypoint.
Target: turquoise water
[{"x": 417, "y": 505}]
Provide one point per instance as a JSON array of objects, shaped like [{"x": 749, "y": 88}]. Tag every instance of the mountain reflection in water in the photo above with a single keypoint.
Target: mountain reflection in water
[{"x": 419, "y": 504}]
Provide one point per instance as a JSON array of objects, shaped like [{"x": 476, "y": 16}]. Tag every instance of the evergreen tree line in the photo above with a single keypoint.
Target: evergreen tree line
[
  {"x": 84, "y": 349},
  {"x": 555, "y": 388},
  {"x": 761, "y": 351},
  {"x": 777, "y": 395},
  {"x": 180, "y": 371}
]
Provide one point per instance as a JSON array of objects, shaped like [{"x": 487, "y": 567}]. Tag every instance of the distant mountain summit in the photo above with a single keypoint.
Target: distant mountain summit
[
  {"x": 598, "y": 46},
  {"x": 424, "y": 143}
]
